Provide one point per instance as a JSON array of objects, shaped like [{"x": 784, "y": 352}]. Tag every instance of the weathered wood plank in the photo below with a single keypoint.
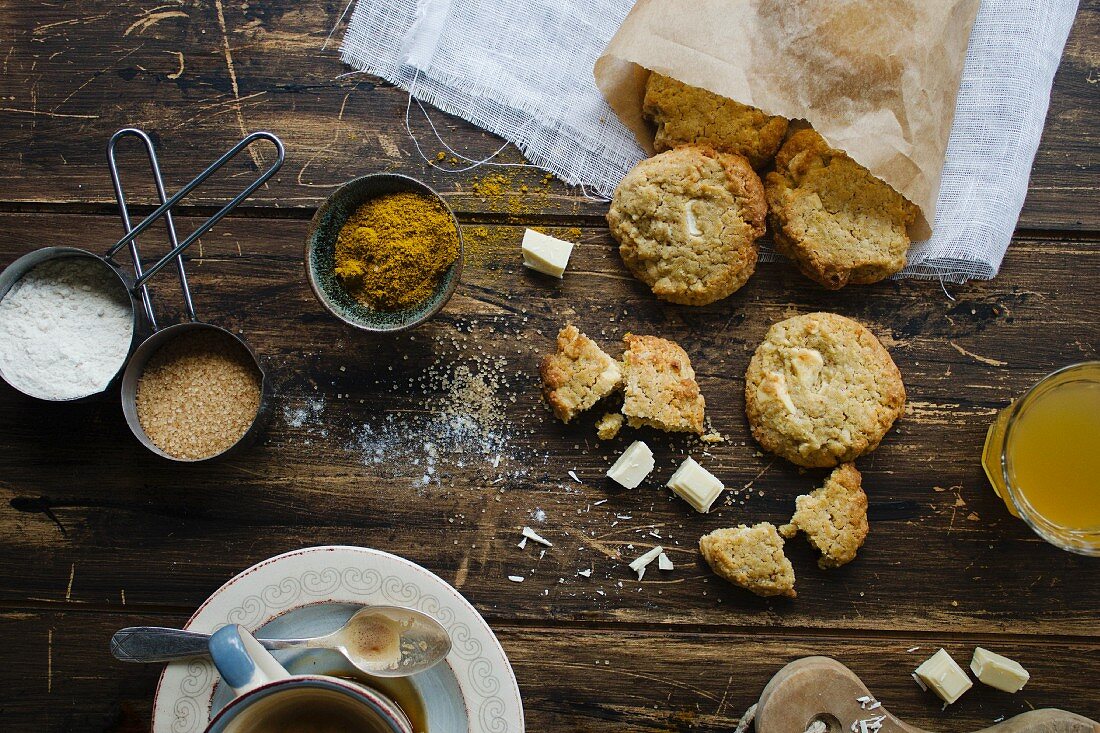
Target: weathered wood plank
[
  {"x": 130, "y": 523},
  {"x": 73, "y": 72},
  {"x": 571, "y": 679},
  {"x": 1069, "y": 140}
]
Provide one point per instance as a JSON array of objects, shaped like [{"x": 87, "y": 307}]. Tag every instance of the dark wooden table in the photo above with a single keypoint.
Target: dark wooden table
[{"x": 96, "y": 534}]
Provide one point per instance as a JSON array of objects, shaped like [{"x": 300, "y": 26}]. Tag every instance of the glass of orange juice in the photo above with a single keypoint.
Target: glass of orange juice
[{"x": 1042, "y": 455}]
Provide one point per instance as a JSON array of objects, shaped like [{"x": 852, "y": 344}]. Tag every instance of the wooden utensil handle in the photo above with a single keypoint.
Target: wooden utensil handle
[{"x": 820, "y": 688}]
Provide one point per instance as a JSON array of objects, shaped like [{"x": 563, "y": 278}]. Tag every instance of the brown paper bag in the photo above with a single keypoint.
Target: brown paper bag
[{"x": 877, "y": 78}]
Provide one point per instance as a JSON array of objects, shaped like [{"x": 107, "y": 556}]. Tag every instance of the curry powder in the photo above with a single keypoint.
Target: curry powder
[{"x": 392, "y": 251}]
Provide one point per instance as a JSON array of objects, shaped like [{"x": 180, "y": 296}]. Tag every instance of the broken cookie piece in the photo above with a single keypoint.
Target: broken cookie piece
[
  {"x": 578, "y": 375},
  {"x": 832, "y": 217},
  {"x": 660, "y": 386},
  {"x": 608, "y": 426},
  {"x": 751, "y": 557},
  {"x": 834, "y": 517}
]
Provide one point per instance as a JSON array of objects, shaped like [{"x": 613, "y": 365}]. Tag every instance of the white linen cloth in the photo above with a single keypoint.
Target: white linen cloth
[{"x": 522, "y": 69}]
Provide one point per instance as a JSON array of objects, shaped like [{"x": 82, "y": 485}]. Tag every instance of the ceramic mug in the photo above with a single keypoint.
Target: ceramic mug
[{"x": 268, "y": 698}]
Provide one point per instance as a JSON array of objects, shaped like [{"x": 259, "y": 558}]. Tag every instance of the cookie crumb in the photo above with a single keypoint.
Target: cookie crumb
[{"x": 608, "y": 426}]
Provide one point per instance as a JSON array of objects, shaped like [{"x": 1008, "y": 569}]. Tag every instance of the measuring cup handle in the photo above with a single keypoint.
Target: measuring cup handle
[
  {"x": 243, "y": 663},
  {"x": 124, "y": 210},
  {"x": 220, "y": 214},
  {"x": 162, "y": 196}
]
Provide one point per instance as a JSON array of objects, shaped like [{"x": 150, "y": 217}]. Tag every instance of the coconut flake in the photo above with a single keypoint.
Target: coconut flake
[
  {"x": 664, "y": 563},
  {"x": 642, "y": 561},
  {"x": 534, "y": 536}
]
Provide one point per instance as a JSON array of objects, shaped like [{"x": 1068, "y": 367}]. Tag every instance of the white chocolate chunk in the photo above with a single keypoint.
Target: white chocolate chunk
[
  {"x": 774, "y": 386},
  {"x": 996, "y": 671},
  {"x": 531, "y": 534},
  {"x": 633, "y": 465},
  {"x": 806, "y": 364},
  {"x": 692, "y": 222},
  {"x": 944, "y": 676},
  {"x": 544, "y": 253},
  {"x": 695, "y": 485},
  {"x": 642, "y": 561},
  {"x": 664, "y": 563}
]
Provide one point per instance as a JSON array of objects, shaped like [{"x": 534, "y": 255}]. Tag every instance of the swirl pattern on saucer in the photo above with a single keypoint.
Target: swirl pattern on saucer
[{"x": 186, "y": 691}]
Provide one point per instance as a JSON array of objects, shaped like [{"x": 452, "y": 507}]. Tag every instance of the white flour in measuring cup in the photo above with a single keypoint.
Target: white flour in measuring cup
[{"x": 65, "y": 329}]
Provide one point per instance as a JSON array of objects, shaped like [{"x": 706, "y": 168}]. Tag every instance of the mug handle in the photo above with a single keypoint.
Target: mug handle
[{"x": 243, "y": 663}]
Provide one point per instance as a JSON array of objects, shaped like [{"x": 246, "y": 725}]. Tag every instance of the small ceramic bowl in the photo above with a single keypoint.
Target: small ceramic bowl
[{"x": 320, "y": 256}]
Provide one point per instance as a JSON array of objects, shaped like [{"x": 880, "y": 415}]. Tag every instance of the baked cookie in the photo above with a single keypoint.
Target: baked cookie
[
  {"x": 608, "y": 426},
  {"x": 821, "y": 390},
  {"x": 687, "y": 115},
  {"x": 687, "y": 222},
  {"x": 834, "y": 517},
  {"x": 836, "y": 221},
  {"x": 751, "y": 557},
  {"x": 578, "y": 375},
  {"x": 660, "y": 387}
]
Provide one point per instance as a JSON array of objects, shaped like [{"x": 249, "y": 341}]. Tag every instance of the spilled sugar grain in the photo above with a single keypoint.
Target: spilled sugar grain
[
  {"x": 308, "y": 417},
  {"x": 306, "y": 414},
  {"x": 463, "y": 424}
]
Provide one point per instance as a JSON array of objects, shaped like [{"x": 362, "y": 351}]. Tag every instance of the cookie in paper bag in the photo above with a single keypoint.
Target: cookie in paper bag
[
  {"x": 687, "y": 115},
  {"x": 838, "y": 223}
]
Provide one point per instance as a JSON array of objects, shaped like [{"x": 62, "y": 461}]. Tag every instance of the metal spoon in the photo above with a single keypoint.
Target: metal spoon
[{"x": 384, "y": 641}]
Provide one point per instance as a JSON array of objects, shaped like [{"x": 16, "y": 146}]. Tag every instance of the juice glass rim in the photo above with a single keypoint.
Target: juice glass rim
[{"x": 1081, "y": 541}]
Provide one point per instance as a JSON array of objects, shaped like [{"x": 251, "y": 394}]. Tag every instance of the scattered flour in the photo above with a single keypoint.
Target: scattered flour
[{"x": 65, "y": 329}]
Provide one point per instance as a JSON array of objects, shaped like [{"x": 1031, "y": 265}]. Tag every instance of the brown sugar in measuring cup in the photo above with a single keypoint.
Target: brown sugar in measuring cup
[{"x": 191, "y": 391}]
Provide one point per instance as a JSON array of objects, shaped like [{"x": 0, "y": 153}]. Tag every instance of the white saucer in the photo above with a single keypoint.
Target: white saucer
[{"x": 310, "y": 591}]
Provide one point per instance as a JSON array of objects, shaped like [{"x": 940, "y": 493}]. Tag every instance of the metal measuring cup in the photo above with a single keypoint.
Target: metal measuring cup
[
  {"x": 159, "y": 338},
  {"x": 133, "y": 287}
]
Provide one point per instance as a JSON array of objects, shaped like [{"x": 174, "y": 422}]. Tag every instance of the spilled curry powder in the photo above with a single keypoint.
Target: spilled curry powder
[{"x": 392, "y": 251}]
